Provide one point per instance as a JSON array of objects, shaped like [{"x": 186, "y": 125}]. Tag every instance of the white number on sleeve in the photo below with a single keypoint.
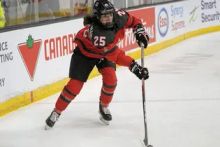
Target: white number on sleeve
[{"x": 121, "y": 12}]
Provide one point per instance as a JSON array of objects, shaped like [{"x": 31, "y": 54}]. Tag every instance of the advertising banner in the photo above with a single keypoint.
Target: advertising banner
[
  {"x": 171, "y": 20},
  {"x": 202, "y": 13},
  {"x": 33, "y": 57},
  {"x": 210, "y": 11},
  {"x": 193, "y": 15},
  {"x": 147, "y": 16}
]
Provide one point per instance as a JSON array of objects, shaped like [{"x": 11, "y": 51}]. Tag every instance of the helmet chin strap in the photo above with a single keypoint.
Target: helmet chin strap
[{"x": 108, "y": 25}]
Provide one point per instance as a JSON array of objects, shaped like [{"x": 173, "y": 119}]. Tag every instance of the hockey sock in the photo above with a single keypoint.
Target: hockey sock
[
  {"x": 69, "y": 92},
  {"x": 109, "y": 85}
]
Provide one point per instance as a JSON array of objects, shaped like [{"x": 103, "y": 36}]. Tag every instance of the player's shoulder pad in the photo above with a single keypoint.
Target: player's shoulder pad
[{"x": 121, "y": 17}]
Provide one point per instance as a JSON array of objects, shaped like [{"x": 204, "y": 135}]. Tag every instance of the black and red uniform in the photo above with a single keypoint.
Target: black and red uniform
[{"x": 97, "y": 46}]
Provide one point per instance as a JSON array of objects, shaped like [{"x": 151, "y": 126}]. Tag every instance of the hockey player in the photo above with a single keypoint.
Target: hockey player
[{"x": 97, "y": 46}]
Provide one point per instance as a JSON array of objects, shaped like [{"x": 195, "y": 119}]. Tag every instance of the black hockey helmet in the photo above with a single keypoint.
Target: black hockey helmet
[{"x": 102, "y": 7}]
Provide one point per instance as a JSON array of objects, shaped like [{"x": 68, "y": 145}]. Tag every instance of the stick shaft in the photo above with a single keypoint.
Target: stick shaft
[{"x": 144, "y": 100}]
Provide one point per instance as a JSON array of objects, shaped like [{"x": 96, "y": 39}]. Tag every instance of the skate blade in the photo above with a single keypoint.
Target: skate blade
[
  {"x": 47, "y": 127},
  {"x": 104, "y": 121}
]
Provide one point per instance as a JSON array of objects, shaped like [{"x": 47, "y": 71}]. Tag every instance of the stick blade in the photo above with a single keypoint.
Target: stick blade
[{"x": 145, "y": 144}]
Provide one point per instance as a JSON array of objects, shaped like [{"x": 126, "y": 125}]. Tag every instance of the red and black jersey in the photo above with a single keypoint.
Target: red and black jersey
[{"x": 94, "y": 41}]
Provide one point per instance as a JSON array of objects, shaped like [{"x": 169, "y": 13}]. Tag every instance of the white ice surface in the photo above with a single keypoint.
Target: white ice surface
[{"x": 183, "y": 106}]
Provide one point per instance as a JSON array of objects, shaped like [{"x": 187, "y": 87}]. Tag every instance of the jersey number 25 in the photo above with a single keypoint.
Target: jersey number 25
[{"x": 99, "y": 40}]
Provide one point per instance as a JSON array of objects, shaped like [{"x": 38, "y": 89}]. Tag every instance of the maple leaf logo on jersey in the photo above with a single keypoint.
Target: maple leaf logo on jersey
[{"x": 29, "y": 52}]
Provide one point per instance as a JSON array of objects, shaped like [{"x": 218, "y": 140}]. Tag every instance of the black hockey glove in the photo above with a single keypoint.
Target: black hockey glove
[
  {"x": 140, "y": 72},
  {"x": 141, "y": 35}
]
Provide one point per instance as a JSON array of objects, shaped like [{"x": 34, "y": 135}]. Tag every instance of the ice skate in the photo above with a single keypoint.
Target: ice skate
[
  {"x": 105, "y": 114},
  {"x": 51, "y": 120}
]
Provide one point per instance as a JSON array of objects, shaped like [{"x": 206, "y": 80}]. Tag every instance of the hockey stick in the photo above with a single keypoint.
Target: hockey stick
[{"x": 144, "y": 101}]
